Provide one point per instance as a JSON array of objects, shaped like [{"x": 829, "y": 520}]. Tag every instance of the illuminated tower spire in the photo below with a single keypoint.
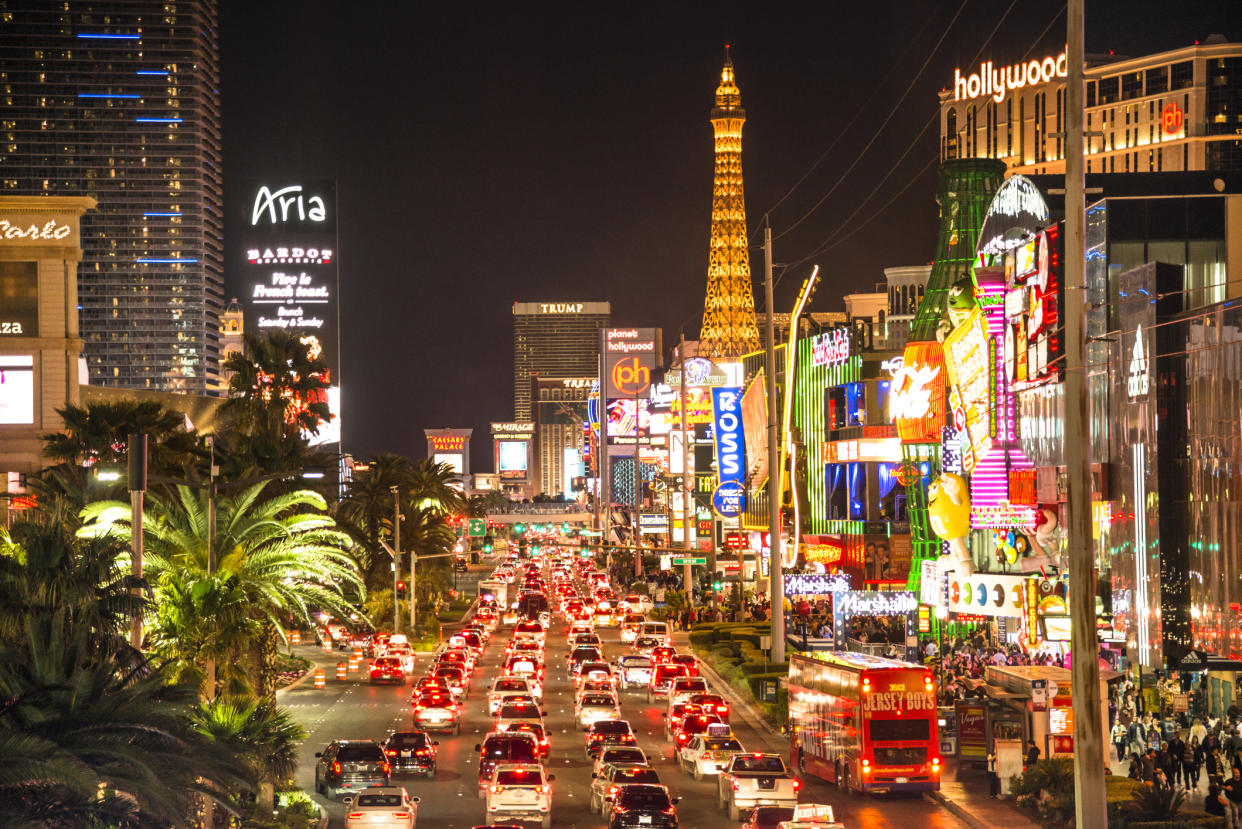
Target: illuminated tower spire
[{"x": 729, "y": 328}]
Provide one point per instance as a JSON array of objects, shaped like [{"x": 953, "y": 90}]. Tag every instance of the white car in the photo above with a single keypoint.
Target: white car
[
  {"x": 637, "y": 604},
  {"x": 629, "y": 630},
  {"x": 656, "y": 630},
  {"x": 382, "y": 807},
  {"x": 505, "y": 686},
  {"x": 513, "y": 698},
  {"x": 592, "y": 708},
  {"x": 517, "y": 712},
  {"x": 620, "y": 756},
  {"x": 520, "y": 792},
  {"x": 594, "y": 686},
  {"x": 705, "y": 755},
  {"x": 683, "y": 688},
  {"x": 404, "y": 653},
  {"x": 634, "y": 672}
]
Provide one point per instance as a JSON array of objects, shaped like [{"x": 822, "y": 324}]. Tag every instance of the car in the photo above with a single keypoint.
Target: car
[
  {"x": 662, "y": 654},
  {"x": 634, "y": 672},
  {"x": 687, "y": 659},
  {"x": 708, "y": 704},
  {"x": 612, "y": 777},
  {"x": 500, "y": 748},
  {"x": 591, "y": 670},
  {"x": 594, "y": 686},
  {"x": 347, "y": 765},
  {"x": 705, "y": 755},
  {"x": 630, "y": 627},
  {"x": 535, "y": 729},
  {"x": 531, "y": 630},
  {"x": 662, "y": 679},
  {"x": 522, "y": 792},
  {"x": 431, "y": 683},
  {"x": 503, "y": 686},
  {"x": 635, "y": 603},
  {"x": 684, "y": 687},
  {"x": 437, "y": 711},
  {"x": 510, "y": 616},
  {"x": 627, "y": 755},
  {"x": 592, "y": 708},
  {"x": 644, "y": 645},
  {"x": 387, "y": 669},
  {"x": 656, "y": 630},
  {"x": 457, "y": 656},
  {"x": 580, "y": 654},
  {"x": 584, "y": 638},
  {"x": 456, "y": 677},
  {"x": 515, "y": 712},
  {"x": 690, "y": 726},
  {"x": 643, "y": 804},
  {"x": 511, "y": 698},
  {"x": 768, "y": 817},
  {"x": 604, "y": 733},
  {"x": 384, "y": 807},
  {"x": 524, "y": 646},
  {"x": 411, "y": 751},
  {"x": 402, "y": 652}
]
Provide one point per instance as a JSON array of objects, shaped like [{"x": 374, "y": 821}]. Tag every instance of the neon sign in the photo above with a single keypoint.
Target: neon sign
[
  {"x": 266, "y": 203},
  {"x": 448, "y": 443},
  {"x": 969, "y": 354},
  {"x": 1171, "y": 119},
  {"x": 51, "y": 230},
  {"x": 730, "y": 442},
  {"x": 916, "y": 398},
  {"x": 561, "y": 307},
  {"x": 995, "y": 82},
  {"x": 830, "y": 348},
  {"x": 987, "y": 594},
  {"x": 1137, "y": 383}
]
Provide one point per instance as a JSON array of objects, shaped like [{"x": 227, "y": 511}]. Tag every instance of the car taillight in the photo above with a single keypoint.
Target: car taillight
[
  {"x": 737, "y": 786},
  {"x": 336, "y": 768},
  {"x": 707, "y": 755},
  {"x": 423, "y": 752},
  {"x": 797, "y": 785},
  {"x": 612, "y": 790},
  {"x": 936, "y": 763},
  {"x": 401, "y": 815},
  {"x": 497, "y": 789},
  {"x": 390, "y": 752},
  {"x": 356, "y": 816},
  {"x": 671, "y": 810},
  {"x": 539, "y": 790},
  {"x": 866, "y": 766},
  {"x": 384, "y": 767}
]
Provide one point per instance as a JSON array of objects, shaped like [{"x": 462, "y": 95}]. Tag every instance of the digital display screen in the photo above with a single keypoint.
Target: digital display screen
[
  {"x": 19, "y": 299},
  {"x": 16, "y": 389},
  {"x": 512, "y": 455},
  {"x": 453, "y": 462}
]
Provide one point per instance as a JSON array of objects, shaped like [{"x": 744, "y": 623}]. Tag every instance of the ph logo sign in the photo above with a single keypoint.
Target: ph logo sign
[{"x": 630, "y": 376}]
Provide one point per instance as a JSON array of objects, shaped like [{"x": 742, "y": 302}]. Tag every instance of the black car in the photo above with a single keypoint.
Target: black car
[
  {"x": 768, "y": 817},
  {"x": 604, "y": 733},
  {"x": 642, "y": 804},
  {"x": 411, "y": 751},
  {"x": 347, "y": 765},
  {"x": 505, "y": 747}
]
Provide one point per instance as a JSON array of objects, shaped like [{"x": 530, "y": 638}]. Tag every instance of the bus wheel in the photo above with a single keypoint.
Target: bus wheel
[{"x": 802, "y": 761}]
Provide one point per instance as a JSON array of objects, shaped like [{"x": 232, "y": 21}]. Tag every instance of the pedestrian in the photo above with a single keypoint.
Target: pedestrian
[
  {"x": 1136, "y": 737},
  {"x": 1192, "y": 761},
  {"x": 1215, "y": 803},
  {"x": 1032, "y": 753},
  {"x": 1215, "y": 767},
  {"x": 1149, "y": 766},
  {"x": 1119, "y": 740},
  {"x": 1136, "y": 767},
  {"x": 1177, "y": 758},
  {"x": 1197, "y": 731},
  {"x": 1233, "y": 794},
  {"x": 993, "y": 775}
]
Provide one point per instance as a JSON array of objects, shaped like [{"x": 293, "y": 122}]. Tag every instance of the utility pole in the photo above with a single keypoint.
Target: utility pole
[
  {"x": 1089, "y": 796},
  {"x": 686, "y": 479},
  {"x": 776, "y": 580},
  {"x": 137, "y": 491},
  {"x": 396, "y": 558}
]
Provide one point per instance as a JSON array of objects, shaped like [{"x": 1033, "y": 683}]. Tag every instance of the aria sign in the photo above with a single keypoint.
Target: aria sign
[
  {"x": 285, "y": 204},
  {"x": 990, "y": 80}
]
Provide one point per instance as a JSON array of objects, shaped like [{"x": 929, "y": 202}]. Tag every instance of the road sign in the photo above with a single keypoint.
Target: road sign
[
  {"x": 478, "y": 528},
  {"x": 729, "y": 499},
  {"x": 677, "y": 562}
]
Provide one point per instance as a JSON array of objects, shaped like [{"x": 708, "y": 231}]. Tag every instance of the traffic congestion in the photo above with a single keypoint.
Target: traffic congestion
[{"x": 554, "y": 696}]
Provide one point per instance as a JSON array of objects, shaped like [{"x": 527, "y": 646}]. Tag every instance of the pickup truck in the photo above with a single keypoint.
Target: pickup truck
[{"x": 752, "y": 780}]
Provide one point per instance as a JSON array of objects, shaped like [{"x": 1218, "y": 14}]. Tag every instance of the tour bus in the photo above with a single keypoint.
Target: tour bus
[{"x": 866, "y": 723}]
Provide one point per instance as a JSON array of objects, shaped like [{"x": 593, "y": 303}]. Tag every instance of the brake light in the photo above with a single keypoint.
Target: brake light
[
  {"x": 866, "y": 766},
  {"x": 797, "y": 785},
  {"x": 390, "y": 752},
  {"x": 384, "y": 767},
  {"x": 497, "y": 789},
  {"x": 936, "y": 762},
  {"x": 401, "y": 815},
  {"x": 336, "y": 768},
  {"x": 539, "y": 790},
  {"x": 866, "y": 685},
  {"x": 612, "y": 790},
  {"x": 423, "y": 752},
  {"x": 737, "y": 786},
  {"x": 671, "y": 810},
  {"x": 356, "y": 815}
]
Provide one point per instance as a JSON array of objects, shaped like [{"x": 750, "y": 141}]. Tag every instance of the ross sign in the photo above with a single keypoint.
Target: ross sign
[
  {"x": 830, "y": 348},
  {"x": 19, "y": 299},
  {"x": 1172, "y": 118},
  {"x": 987, "y": 594},
  {"x": 290, "y": 273},
  {"x": 730, "y": 440},
  {"x": 691, "y": 560},
  {"x": 916, "y": 398},
  {"x": 630, "y": 355},
  {"x": 1137, "y": 382},
  {"x": 729, "y": 499},
  {"x": 994, "y": 82}
]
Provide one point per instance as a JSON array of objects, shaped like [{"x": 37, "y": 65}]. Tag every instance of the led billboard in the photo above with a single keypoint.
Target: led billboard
[
  {"x": 16, "y": 389},
  {"x": 290, "y": 272}
]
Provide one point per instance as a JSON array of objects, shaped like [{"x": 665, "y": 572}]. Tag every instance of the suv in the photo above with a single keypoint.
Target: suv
[
  {"x": 520, "y": 792},
  {"x": 411, "y": 751},
  {"x": 662, "y": 679},
  {"x": 604, "y": 733},
  {"x": 387, "y": 669},
  {"x": 350, "y": 764},
  {"x": 643, "y": 804},
  {"x": 504, "y": 748},
  {"x": 611, "y": 778}
]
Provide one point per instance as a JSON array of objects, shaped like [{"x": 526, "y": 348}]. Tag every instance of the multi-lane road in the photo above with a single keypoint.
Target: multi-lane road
[{"x": 355, "y": 709}]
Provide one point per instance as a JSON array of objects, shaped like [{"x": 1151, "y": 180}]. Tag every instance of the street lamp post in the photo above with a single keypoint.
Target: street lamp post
[
  {"x": 137, "y": 491},
  {"x": 396, "y": 559}
]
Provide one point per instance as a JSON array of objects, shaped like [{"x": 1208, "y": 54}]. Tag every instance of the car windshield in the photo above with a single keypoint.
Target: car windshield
[
  {"x": 515, "y": 749},
  {"x": 690, "y": 685},
  {"x": 722, "y": 745},
  {"x": 519, "y": 777},
  {"x": 612, "y": 727},
  {"x": 449, "y": 672},
  {"x": 511, "y": 685},
  {"x": 416, "y": 740},
  {"x": 585, "y": 653},
  {"x": 643, "y": 797},
  {"x": 433, "y": 701},
  {"x": 775, "y": 764},
  {"x": 588, "y": 667},
  {"x": 388, "y": 662},
  {"x": 598, "y": 699},
  {"x": 624, "y": 776},
  {"x": 389, "y": 800},
  {"x": 636, "y": 662},
  {"x": 625, "y": 755},
  {"x": 767, "y": 817},
  {"x": 518, "y": 710},
  {"x": 360, "y": 754}
]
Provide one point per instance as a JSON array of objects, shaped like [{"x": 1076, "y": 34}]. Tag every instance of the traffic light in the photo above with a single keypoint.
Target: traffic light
[
  {"x": 518, "y": 529},
  {"x": 488, "y": 543},
  {"x": 717, "y": 584},
  {"x": 400, "y": 590}
]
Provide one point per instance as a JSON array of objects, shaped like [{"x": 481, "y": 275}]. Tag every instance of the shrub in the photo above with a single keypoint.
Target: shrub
[
  {"x": 1047, "y": 788},
  {"x": 1184, "y": 820},
  {"x": 1159, "y": 803}
]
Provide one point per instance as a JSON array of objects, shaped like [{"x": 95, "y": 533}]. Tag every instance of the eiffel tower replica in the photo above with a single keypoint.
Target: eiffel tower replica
[{"x": 729, "y": 328}]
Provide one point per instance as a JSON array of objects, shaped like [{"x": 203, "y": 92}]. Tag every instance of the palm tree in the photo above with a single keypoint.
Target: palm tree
[
  {"x": 264, "y": 739},
  {"x": 282, "y": 556},
  {"x": 431, "y": 487},
  {"x": 278, "y": 386}
]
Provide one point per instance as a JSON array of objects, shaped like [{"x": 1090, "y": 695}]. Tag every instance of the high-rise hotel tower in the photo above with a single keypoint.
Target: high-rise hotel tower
[{"x": 120, "y": 101}]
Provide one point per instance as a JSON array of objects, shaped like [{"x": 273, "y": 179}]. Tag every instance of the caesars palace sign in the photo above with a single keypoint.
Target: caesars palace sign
[{"x": 996, "y": 81}]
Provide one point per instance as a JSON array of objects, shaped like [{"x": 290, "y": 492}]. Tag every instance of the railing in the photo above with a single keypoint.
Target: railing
[{"x": 541, "y": 509}]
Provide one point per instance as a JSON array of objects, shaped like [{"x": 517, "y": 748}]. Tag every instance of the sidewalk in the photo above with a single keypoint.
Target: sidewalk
[{"x": 966, "y": 798}]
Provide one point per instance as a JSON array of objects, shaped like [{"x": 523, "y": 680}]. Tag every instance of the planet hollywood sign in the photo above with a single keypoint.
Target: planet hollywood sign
[
  {"x": 830, "y": 348},
  {"x": 996, "y": 82}
]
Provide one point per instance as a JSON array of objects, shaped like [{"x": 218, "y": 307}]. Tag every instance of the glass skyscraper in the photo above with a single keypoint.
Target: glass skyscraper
[
  {"x": 120, "y": 100},
  {"x": 554, "y": 339}
]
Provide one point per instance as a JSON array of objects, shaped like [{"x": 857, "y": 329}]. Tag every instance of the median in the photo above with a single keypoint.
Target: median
[{"x": 731, "y": 649}]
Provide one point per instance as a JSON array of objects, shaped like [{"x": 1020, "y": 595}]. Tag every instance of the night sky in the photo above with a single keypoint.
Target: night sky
[{"x": 487, "y": 153}]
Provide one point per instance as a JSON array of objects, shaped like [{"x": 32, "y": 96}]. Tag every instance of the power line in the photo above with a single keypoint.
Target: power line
[{"x": 875, "y": 136}]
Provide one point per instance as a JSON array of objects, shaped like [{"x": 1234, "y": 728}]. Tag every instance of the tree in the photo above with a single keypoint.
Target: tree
[
  {"x": 260, "y": 736},
  {"x": 431, "y": 487},
  {"x": 278, "y": 386},
  {"x": 283, "y": 556}
]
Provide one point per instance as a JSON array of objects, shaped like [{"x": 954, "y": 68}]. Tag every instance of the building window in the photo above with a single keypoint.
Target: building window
[
  {"x": 1182, "y": 75},
  {"x": 950, "y": 129},
  {"x": 1022, "y": 130},
  {"x": 1090, "y": 93},
  {"x": 1009, "y": 126},
  {"x": 1109, "y": 90},
  {"x": 1131, "y": 85},
  {"x": 1224, "y": 96},
  {"x": 1157, "y": 80}
]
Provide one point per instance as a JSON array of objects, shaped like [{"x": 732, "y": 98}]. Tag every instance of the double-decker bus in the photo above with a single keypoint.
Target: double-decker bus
[{"x": 866, "y": 723}]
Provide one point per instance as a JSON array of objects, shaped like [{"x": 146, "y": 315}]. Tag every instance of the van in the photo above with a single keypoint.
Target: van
[{"x": 657, "y": 630}]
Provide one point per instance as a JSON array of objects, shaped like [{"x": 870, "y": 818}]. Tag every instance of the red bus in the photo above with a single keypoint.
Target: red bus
[{"x": 868, "y": 724}]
